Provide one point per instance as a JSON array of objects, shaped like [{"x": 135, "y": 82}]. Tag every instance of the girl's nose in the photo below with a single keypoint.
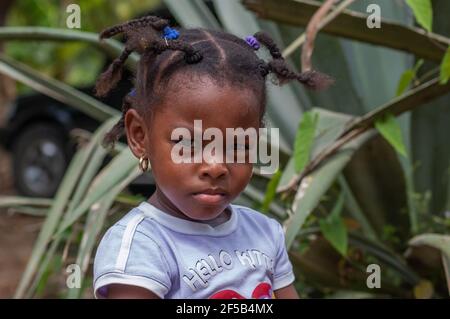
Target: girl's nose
[
  {"x": 213, "y": 166},
  {"x": 213, "y": 170}
]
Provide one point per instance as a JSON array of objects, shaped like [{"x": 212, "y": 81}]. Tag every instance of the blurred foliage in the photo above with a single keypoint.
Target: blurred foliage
[{"x": 77, "y": 64}]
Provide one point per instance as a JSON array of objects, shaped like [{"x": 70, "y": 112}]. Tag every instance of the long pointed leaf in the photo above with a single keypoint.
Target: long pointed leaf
[
  {"x": 56, "y": 211},
  {"x": 353, "y": 25},
  {"x": 35, "y": 33},
  {"x": 55, "y": 89},
  {"x": 114, "y": 172},
  {"x": 316, "y": 184}
]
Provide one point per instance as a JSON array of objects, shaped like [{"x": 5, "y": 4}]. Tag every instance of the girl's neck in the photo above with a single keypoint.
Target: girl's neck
[{"x": 158, "y": 200}]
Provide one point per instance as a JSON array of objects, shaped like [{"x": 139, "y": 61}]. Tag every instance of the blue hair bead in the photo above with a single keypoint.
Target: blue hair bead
[
  {"x": 252, "y": 41},
  {"x": 132, "y": 93},
  {"x": 170, "y": 33}
]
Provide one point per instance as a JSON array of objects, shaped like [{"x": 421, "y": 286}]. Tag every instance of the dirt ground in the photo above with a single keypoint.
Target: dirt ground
[
  {"x": 17, "y": 235},
  {"x": 17, "y": 232}
]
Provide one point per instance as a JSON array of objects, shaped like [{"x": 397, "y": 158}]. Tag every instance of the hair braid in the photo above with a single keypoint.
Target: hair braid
[
  {"x": 312, "y": 79},
  {"x": 112, "y": 75},
  {"x": 268, "y": 42},
  {"x": 135, "y": 30},
  {"x": 117, "y": 130},
  {"x": 191, "y": 55},
  {"x": 155, "y": 22}
]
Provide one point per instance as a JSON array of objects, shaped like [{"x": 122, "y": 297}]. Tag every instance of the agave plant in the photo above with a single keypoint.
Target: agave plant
[
  {"x": 348, "y": 191},
  {"x": 376, "y": 187}
]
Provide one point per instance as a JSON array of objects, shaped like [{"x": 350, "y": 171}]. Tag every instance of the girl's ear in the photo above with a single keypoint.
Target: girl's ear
[{"x": 136, "y": 131}]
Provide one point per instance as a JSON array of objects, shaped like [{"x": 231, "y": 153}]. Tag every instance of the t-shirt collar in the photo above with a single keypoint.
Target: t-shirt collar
[{"x": 190, "y": 227}]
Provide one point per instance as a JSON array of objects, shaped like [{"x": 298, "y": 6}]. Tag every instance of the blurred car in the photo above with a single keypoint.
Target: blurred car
[{"x": 36, "y": 131}]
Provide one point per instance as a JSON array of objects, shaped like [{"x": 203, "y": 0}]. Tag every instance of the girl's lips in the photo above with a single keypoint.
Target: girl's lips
[{"x": 209, "y": 198}]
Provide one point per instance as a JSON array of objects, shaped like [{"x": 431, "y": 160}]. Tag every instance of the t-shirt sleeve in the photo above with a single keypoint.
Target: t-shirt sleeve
[
  {"x": 283, "y": 274},
  {"x": 127, "y": 256}
]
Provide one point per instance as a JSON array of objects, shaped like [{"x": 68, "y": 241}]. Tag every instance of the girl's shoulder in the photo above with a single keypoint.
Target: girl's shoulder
[
  {"x": 136, "y": 220},
  {"x": 252, "y": 213},
  {"x": 130, "y": 252},
  {"x": 253, "y": 217}
]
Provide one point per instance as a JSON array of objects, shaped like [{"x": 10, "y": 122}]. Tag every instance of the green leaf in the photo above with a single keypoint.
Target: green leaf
[
  {"x": 192, "y": 12},
  {"x": 92, "y": 229},
  {"x": 49, "y": 255},
  {"x": 53, "y": 218},
  {"x": 111, "y": 47},
  {"x": 438, "y": 241},
  {"x": 271, "y": 191},
  {"x": 287, "y": 174},
  {"x": 56, "y": 212},
  {"x": 404, "y": 82},
  {"x": 446, "y": 264},
  {"x": 445, "y": 68},
  {"x": 115, "y": 172},
  {"x": 396, "y": 32},
  {"x": 27, "y": 210},
  {"x": 56, "y": 89},
  {"x": 386, "y": 255},
  {"x": 423, "y": 12},
  {"x": 315, "y": 185},
  {"x": 333, "y": 227},
  {"x": 419, "y": 63},
  {"x": 12, "y": 201},
  {"x": 334, "y": 230},
  {"x": 255, "y": 195},
  {"x": 304, "y": 140},
  {"x": 391, "y": 131},
  {"x": 330, "y": 124},
  {"x": 356, "y": 211},
  {"x": 407, "y": 78}
]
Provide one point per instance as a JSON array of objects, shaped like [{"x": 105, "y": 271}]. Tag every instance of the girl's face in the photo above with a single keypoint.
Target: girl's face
[{"x": 186, "y": 189}]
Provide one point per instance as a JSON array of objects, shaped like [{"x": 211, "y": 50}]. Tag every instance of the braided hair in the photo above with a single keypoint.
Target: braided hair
[{"x": 223, "y": 57}]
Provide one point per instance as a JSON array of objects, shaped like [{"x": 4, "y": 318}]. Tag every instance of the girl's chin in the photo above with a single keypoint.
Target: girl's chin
[{"x": 205, "y": 213}]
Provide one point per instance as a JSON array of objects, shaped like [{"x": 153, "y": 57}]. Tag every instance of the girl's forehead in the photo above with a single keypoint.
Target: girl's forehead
[{"x": 213, "y": 104}]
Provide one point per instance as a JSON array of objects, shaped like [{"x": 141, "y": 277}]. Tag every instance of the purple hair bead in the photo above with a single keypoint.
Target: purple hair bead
[{"x": 251, "y": 41}]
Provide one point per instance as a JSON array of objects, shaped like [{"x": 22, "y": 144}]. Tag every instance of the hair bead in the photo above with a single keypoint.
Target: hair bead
[
  {"x": 170, "y": 33},
  {"x": 252, "y": 41}
]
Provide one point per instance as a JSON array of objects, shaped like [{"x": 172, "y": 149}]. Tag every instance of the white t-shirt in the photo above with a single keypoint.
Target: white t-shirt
[{"x": 244, "y": 257}]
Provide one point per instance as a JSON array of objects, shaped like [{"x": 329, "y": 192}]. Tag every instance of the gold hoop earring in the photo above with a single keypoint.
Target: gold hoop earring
[{"x": 143, "y": 163}]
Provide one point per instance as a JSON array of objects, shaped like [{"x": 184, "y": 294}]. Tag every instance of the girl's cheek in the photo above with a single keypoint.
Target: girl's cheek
[{"x": 242, "y": 171}]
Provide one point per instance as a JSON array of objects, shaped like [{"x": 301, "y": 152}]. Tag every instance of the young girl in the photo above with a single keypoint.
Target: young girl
[{"x": 187, "y": 240}]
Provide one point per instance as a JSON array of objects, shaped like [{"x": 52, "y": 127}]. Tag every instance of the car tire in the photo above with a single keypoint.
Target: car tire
[{"x": 40, "y": 158}]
